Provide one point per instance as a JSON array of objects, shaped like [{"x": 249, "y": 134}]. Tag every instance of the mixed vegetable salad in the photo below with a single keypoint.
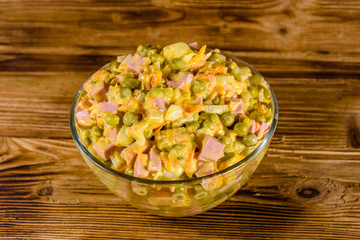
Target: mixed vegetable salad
[{"x": 173, "y": 112}]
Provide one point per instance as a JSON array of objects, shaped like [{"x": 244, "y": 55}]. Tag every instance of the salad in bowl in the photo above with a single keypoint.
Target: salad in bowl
[{"x": 174, "y": 130}]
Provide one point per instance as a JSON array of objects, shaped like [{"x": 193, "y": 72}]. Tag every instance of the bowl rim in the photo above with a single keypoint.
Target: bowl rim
[{"x": 190, "y": 181}]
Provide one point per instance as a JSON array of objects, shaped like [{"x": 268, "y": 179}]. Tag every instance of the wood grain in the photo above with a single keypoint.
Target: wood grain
[
  {"x": 50, "y": 184},
  {"x": 307, "y": 186}
]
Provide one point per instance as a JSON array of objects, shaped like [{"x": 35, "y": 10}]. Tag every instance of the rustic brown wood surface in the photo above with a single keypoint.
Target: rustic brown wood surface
[{"x": 308, "y": 185}]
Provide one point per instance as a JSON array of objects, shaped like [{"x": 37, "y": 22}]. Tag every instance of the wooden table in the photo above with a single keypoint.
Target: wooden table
[{"x": 308, "y": 185}]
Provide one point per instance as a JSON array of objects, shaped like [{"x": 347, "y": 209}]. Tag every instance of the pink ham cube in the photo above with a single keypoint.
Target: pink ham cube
[
  {"x": 108, "y": 107},
  {"x": 194, "y": 45},
  {"x": 155, "y": 160},
  {"x": 204, "y": 169},
  {"x": 98, "y": 92},
  {"x": 252, "y": 127},
  {"x": 78, "y": 108},
  {"x": 83, "y": 114},
  {"x": 112, "y": 135},
  {"x": 240, "y": 108},
  {"x": 139, "y": 166},
  {"x": 263, "y": 127},
  {"x": 211, "y": 150},
  {"x": 103, "y": 148},
  {"x": 184, "y": 79},
  {"x": 161, "y": 103},
  {"x": 136, "y": 64},
  {"x": 199, "y": 100}
]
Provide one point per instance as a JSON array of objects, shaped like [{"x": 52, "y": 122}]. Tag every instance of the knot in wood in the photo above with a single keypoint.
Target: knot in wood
[
  {"x": 46, "y": 191},
  {"x": 355, "y": 137},
  {"x": 307, "y": 192}
]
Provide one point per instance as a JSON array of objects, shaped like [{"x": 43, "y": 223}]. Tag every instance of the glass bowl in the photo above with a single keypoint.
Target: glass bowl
[{"x": 178, "y": 198}]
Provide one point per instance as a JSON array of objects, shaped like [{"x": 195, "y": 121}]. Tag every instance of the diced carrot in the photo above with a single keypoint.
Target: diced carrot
[{"x": 261, "y": 109}]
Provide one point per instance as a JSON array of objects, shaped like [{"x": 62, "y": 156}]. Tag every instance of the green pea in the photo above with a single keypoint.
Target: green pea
[
  {"x": 227, "y": 119},
  {"x": 198, "y": 86},
  {"x": 256, "y": 80},
  {"x": 125, "y": 92},
  {"x": 177, "y": 64},
  {"x": 216, "y": 101},
  {"x": 130, "y": 83},
  {"x": 204, "y": 116},
  {"x": 228, "y": 143},
  {"x": 260, "y": 117},
  {"x": 232, "y": 65},
  {"x": 250, "y": 140},
  {"x": 268, "y": 113},
  {"x": 87, "y": 142},
  {"x": 130, "y": 118},
  {"x": 157, "y": 58},
  {"x": 140, "y": 95},
  {"x": 194, "y": 124},
  {"x": 253, "y": 92},
  {"x": 217, "y": 57},
  {"x": 148, "y": 134},
  {"x": 226, "y": 156},
  {"x": 180, "y": 158},
  {"x": 214, "y": 117},
  {"x": 207, "y": 102},
  {"x": 140, "y": 49},
  {"x": 162, "y": 143},
  {"x": 151, "y": 52},
  {"x": 209, "y": 125},
  {"x": 96, "y": 131},
  {"x": 248, "y": 150},
  {"x": 267, "y": 94},
  {"x": 113, "y": 67},
  {"x": 111, "y": 119},
  {"x": 107, "y": 77},
  {"x": 252, "y": 102},
  {"x": 238, "y": 146},
  {"x": 241, "y": 129},
  {"x": 196, "y": 116}
]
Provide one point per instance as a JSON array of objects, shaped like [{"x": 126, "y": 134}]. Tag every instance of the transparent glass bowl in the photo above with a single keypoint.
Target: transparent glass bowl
[{"x": 181, "y": 197}]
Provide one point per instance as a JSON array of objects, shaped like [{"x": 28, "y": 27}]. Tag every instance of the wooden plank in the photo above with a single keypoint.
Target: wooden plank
[
  {"x": 46, "y": 189},
  {"x": 307, "y": 186},
  {"x": 262, "y": 25}
]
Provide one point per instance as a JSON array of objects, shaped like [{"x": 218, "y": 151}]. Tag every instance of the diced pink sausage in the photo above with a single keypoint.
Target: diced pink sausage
[
  {"x": 205, "y": 169},
  {"x": 155, "y": 160},
  {"x": 126, "y": 60},
  {"x": 112, "y": 135},
  {"x": 135, "y": 65},
  {"x": 108, "y": 107},
  {"x": 263, "y": 127},
  {"x": 103, "y": 149},
  {"x": 211, "y": 150},
  {"x": 139, "y": 169},
  {"x": 161, "y": 103},
  {"x": 194, "y": 45},
  {"x": 83, "y": 114},
  {"x": 199, "y": 100},
  {"x": 184, "y": 79},
  {"x": 98, "y": 93},
  {"x": 78, "y": 108},
  {"x": 240, "y": 108},
  {"x": 252, "y": 127},
  {"x": 171, "y": 83}
]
